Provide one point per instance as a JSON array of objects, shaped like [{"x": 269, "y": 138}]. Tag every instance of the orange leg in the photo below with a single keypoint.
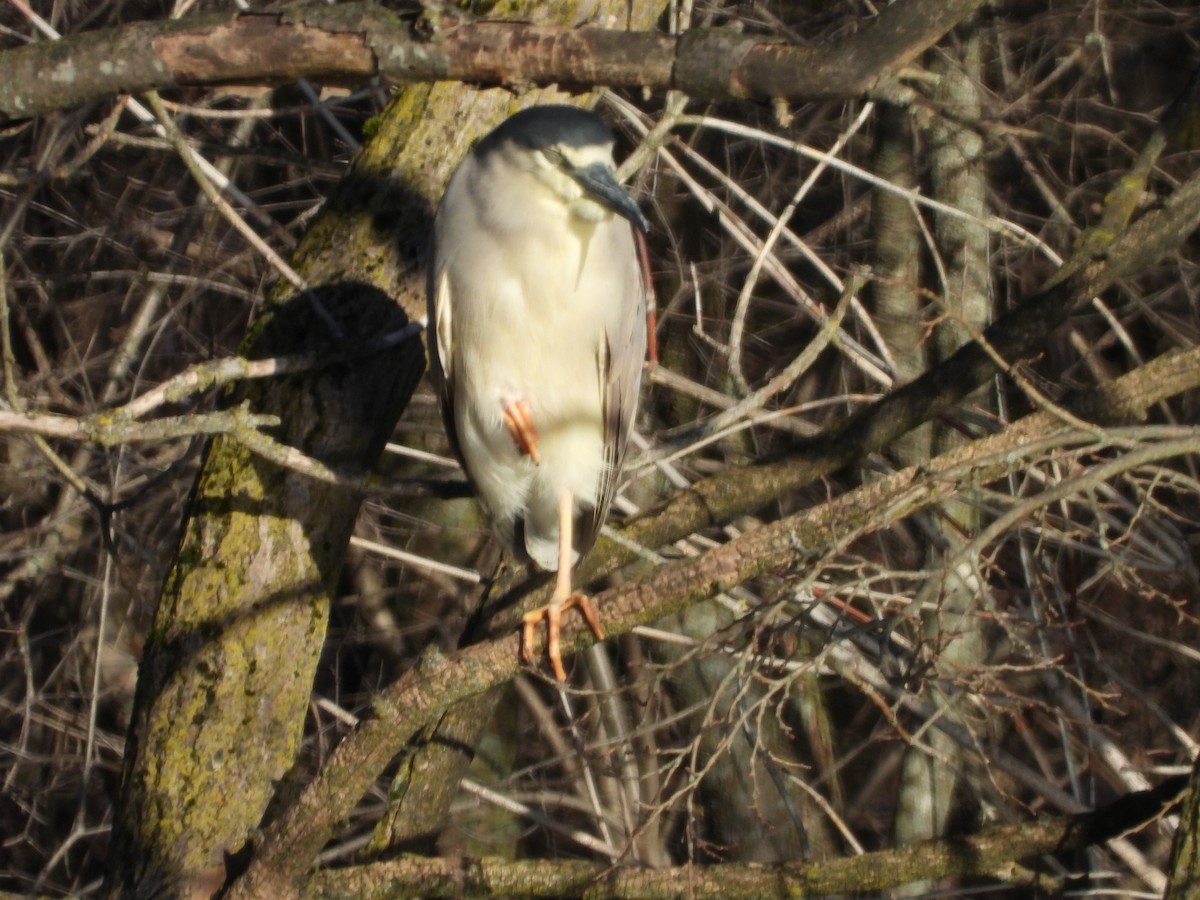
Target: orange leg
[
  {"x": 519, "y": 422},
  {"x": 562, "y": 599}
]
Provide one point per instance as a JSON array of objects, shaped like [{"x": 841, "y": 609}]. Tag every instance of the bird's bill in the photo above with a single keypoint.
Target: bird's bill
[{"x": 597, "y": 179}]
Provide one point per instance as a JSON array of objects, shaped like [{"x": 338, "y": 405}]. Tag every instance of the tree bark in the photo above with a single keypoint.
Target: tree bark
[
  {"x": 952, "y": 637},
  {"x": 1184, "y": 868},
  {"x": 242, "y": 618},
  {"x": 354, "y": 42},
  {"x": 981, "y": 855},
  {"x": 227, "y": 670}
]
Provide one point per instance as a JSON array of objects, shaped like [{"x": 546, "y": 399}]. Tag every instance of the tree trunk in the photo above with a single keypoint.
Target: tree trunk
[
  {"x": 228, "y": 666},
  {"x": 227, "y": 671},
  {"x": 1184, "y": 868},
  {"x": 931, "y": 769}
]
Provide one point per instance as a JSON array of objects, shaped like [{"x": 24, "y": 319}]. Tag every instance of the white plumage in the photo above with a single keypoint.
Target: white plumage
[{"x": 537, "y": 306}]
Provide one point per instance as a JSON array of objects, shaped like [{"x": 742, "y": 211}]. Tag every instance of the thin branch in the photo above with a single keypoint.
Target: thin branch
[
  {"x": 210, "y": 189},
  {"x": 1015, "y": 335},
  {"x": 122, "y": 424}
]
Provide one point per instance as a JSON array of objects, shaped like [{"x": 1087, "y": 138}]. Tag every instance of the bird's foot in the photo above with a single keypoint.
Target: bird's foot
[
  {"x": 519, "y": 421},
  {"x": 552, "y": 613}
]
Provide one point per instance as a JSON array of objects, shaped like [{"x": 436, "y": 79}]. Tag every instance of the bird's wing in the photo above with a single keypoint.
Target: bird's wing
[
  {"x": 441, "y": 374},
  {"x": 621, "y": 359}
]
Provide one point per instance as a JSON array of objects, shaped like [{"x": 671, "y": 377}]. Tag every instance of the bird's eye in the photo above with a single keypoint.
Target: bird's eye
[{"x": 555, "y": 157}]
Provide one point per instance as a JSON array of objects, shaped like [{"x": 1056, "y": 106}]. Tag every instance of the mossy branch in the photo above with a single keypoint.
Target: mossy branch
[
  {"x": 355, "y": 42},
  {"x": 989, "y": 854},
  {"x": 420, "y": 697}
]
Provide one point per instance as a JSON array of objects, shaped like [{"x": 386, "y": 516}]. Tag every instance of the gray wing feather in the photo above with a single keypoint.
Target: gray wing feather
[
  {"x": 621, "y": 359},
  {"x": 437, "y": 342}
]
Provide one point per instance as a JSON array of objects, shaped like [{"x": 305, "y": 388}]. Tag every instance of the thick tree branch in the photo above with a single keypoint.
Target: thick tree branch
[
  {"x": 978, "y": 855},
  {"x": 354, "y": 42},
  {"x": 420, "y": 697}
]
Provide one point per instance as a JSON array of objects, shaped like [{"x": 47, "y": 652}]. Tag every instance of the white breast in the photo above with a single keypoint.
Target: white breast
[{"x": 521, "y": 326}]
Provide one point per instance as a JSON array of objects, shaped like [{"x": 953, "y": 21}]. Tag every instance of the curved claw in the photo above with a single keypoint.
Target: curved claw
[{"x": 552, "y": 613}]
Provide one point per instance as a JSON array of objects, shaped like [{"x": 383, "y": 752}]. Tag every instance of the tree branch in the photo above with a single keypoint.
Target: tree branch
[
  {"x": 355, "y": 42},
  {"x": 421, "y": 696},
  {"x": 1015, "y": 335},
  {"x": 978, "y": 855}
]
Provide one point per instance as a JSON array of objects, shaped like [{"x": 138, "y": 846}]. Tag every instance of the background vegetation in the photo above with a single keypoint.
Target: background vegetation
[{"x": 1003, "y": 632}]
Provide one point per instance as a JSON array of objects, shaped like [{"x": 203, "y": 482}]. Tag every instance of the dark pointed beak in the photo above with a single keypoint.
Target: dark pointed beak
[{"x": 597, "y": 179}]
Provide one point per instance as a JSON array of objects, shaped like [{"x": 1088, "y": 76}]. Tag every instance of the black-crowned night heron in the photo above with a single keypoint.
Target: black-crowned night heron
[{"x": 537, "y": 306}]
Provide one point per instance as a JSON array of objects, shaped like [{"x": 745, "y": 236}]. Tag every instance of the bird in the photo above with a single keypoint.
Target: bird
[{"x": 537, "y": 293}]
